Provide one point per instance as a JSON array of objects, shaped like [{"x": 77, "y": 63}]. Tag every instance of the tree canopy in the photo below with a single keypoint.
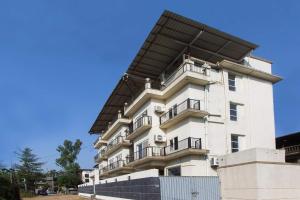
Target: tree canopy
[
  {"x": 67, "y": 160},
  {"x": 29, "y": 168}
]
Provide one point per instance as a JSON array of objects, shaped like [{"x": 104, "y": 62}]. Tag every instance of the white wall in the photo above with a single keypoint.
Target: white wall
[
  {"x": 132, "y": 176},
  {"x": 258, "y": 174}
]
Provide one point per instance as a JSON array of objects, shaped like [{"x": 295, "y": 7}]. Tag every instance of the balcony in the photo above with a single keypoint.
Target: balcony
[
  {"x": 188, "y": 108},
  {"x": 115, "y": 144},
  {"x": 100, "y": 156},
  {"x": 114, "y": 127},
  {"x": 99, "y": 142},
  {"x": 116, "y": 168},
  {"x": 185, "y": 74},
  {"x": 139, "y": 126},
  {"x": 150, "y": 157}
]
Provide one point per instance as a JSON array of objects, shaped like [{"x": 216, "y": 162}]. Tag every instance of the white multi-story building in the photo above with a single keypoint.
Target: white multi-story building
[{"x": 192, "y": 93}]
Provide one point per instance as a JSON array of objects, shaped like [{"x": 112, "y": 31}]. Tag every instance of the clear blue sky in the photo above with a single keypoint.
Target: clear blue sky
[{"x": 59, "y": 61}]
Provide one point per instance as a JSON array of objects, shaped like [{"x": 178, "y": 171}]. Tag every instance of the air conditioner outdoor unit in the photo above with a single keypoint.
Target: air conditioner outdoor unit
[
  {"x": 159, "y": 138},
  {"x": 214, "y": 162},
  {"x": 158, "y": 109}
]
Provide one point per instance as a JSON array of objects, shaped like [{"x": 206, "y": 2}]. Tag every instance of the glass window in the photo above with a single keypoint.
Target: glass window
[
  {"x": 234, "y": 143},
  {"x": 231, "y": 82},
  {"x": 86, "y": 175},
  {"x": 87, "y": 180},
  {"x": 233, "y": 112},
  {"x": 174, "y": 171}
]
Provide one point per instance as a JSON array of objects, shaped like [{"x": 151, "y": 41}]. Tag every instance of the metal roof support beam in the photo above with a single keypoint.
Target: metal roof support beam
[
  {"x": 221, "y": 48},
  {"x": 121, "y": 95},
  {"x": 183, "y": 50},
  {"x": 164, "y": 46},
  {"x": 196, "y": 47},
  {"x": 159, "y": 53}
]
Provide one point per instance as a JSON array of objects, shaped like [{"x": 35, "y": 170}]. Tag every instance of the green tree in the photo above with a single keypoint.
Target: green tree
[
  {"x": 9, "y": 188},
  {"x": 67, "y": 160},
  {"x": 29, "y": 168}
]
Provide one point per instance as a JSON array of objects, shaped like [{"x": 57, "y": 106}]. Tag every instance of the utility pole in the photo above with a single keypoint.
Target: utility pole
[{"x": 25, "y": 184}]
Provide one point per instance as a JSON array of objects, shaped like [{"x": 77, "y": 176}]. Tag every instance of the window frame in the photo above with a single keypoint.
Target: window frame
[
  {"x": 231, "y": 82},
  {"x": 234, "y": 139},
  {"x": 233, "y": 112},
  {"x": 174, "y": 167}
]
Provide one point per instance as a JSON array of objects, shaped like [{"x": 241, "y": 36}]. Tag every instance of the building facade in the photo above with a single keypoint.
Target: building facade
[{"x": 184, "y": 101}]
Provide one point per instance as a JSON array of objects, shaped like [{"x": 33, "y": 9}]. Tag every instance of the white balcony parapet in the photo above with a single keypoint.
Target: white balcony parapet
[
  {"x": 186, "y": 73},
  {"x": 139, "y": 126},
  {"x": 178, "y": 112},
  {"x": 99, "y": 142},
  {"x": 114, "y": 127},
  {"x": 117, "y": 143}
]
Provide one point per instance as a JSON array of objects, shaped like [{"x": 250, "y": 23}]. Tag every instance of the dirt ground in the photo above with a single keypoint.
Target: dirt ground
[{"x": 56, "y": 197}]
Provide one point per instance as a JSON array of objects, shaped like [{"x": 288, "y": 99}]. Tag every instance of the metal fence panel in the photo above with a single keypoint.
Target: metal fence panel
[{"x": 190, "y": 188}]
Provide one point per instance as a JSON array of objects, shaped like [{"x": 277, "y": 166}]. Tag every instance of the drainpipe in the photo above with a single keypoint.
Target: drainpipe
[{"x": 93, "y": 196}]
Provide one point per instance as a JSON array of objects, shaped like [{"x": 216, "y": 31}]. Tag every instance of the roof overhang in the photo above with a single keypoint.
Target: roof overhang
[{"x": 171, "y": 37}]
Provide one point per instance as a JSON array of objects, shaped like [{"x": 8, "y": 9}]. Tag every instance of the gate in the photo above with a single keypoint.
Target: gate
[{"x": 190, "y": 188}]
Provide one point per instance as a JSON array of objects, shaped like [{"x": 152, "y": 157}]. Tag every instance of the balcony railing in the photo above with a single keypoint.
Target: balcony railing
[
  {"x": 188, "y": 143},
  {"x": 96, "y": 141},
  {"x": 115, "y": 142},
  {"x": 146, "y": 152},
  {"x": 177, "y": 109},
  {"x": 185, "y": 67},
  {"x": 144, "y": 120},
  {"x": 117, "y": 164},
  {"x": 113, "y": 165},
  {"x": 140, "y": 122},
  {"x": 103, "y": 169},
  {"x": 292, "y": 150},
  {"x": 100, "y": 154}
]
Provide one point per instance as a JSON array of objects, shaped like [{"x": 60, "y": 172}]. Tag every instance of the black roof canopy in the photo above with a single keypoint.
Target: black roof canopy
[{"x": 171, "y": 37}]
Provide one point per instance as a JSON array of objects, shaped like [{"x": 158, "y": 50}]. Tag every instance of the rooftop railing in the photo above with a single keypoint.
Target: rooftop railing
[
  {"x": 179, "y": 108},
  {"x": 292, "y": 150},
  {"x": 184, "y": 67}
]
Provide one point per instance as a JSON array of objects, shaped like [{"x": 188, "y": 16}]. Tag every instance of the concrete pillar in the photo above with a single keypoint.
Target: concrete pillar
[
  {"x": 125, "y": 106},
  {"x": 147, "y": 83},
  {"x": 119, "y": 114}
]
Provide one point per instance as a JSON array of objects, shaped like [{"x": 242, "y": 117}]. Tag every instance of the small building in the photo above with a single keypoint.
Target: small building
[
  {"x": 291, "y": 144},
  {"x": 86, "y": 175}
]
